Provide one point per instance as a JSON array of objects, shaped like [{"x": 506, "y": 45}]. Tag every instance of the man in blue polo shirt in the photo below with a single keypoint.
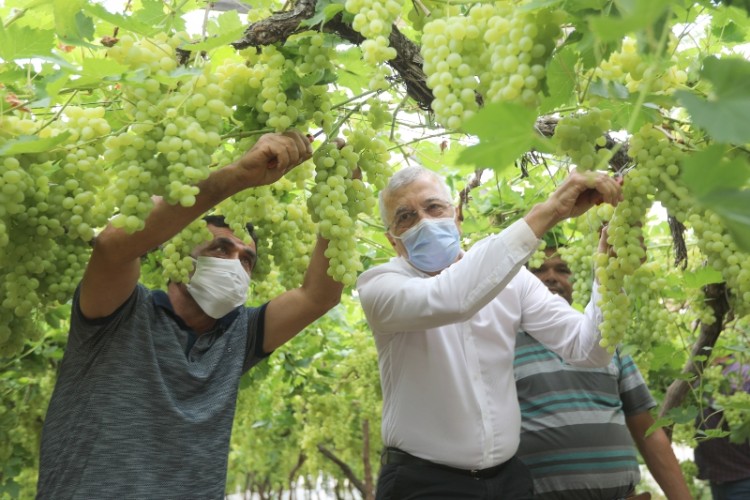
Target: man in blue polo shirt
[{"x": 146, "y": 393}]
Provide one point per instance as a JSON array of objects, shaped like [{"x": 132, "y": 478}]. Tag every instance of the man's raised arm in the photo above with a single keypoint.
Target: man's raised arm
[{"x": 114, "y": 267}]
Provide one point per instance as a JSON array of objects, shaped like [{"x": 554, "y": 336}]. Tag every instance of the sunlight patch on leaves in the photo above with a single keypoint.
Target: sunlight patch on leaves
[
  {"x": 72, "y": 25},
  {"x": 125, "y": 23},
  {"x": 17, "y": 42}
]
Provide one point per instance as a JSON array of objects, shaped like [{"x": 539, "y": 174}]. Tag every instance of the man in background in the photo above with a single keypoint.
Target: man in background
[
  {"x": 725, "y": 464},
  {"x": 579, "y": 424}
]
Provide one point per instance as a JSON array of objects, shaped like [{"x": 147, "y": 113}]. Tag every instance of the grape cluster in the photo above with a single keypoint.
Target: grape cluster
[
  {"x": 628, "y": 67},
  {"x": 374, "y": 20},
  {"x": 722, "y": 254},
  {"x": 328, "y": 205},
  {"x": 581, "y": 137},
  {"x": 625, "y": 236},
  {"x": 652, "y": 147},
  {"x": 494, "y": 52},
  {"x": 176, "y": 261},
  {"x": 519, "y": 43},
  {"x": 46, "y": 218},
  {"x": 578, "y": 255},
  {"x": 174, "y": 129},
  {"x": 340, "y": 195},
  {"x": 377, "y": 113},
  {"x": 652, "y": 323},
  {"x": 451, "y": 49}
]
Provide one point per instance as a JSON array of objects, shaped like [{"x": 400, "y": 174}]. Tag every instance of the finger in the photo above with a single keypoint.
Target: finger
[
  {"x": 280, "y": 155},
  {"x": 609, "y": 189},
  {"x": 301, "y": 143}
]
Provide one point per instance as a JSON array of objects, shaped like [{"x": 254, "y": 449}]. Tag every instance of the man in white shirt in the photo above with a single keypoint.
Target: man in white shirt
[{"x": 445, "y": 323}]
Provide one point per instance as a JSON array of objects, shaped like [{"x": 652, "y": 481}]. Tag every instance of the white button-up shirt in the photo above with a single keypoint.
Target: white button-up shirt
[{"x": 445, "y": 347}]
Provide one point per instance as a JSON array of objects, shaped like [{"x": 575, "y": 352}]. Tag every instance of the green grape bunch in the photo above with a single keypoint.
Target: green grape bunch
[{"x": 582, "y": 138}]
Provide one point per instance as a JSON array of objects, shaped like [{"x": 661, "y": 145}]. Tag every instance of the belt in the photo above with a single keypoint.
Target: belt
[{"x": 398, "y": 457}]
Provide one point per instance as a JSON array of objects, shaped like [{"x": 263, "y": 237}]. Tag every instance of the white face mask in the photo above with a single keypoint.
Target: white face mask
[{"x": 219, "y": 285}]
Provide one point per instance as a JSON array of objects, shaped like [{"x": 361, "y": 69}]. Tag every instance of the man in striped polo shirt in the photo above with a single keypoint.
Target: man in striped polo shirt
[{"x": 579, "y": 424}]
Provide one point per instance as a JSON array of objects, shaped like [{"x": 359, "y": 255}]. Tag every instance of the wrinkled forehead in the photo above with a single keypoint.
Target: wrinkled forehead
[
  {"x": 421, "y": 191},
  {"x": 226, "y": 236}
]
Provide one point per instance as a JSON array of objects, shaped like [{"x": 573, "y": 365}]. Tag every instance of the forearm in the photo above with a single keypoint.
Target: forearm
[
  {"x": 289, "y": 313},
  {"x": 660, "y": 459},
  {"x": 166, "y": 220},
  {"x": 317, "y": 283}
]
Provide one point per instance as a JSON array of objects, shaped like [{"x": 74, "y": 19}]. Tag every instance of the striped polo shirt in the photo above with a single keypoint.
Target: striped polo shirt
[{"x": 574, "y": 437}]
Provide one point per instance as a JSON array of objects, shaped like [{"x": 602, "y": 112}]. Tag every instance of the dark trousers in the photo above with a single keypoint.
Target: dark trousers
[
  {"x": 424, "y": 481},
  {"x": 731, "y": 490}
]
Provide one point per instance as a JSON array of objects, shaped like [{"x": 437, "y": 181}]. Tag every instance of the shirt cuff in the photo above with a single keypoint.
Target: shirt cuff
[{"x": 521, "y": 240}]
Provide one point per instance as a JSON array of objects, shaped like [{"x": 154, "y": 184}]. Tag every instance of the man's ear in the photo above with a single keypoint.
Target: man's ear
[
  {"x": 391, "y": 239},
  {"x": 459, "y": 218}
]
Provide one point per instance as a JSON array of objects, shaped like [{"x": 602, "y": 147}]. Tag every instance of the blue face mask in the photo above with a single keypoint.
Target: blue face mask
[{"x": 432, "y": 244}]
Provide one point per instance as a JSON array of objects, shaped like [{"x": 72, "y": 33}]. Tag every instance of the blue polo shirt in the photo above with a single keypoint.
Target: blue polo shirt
[{"x": 143, "y": 407}]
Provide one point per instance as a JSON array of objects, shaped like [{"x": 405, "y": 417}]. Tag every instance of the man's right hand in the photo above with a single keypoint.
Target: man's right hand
[
  {"x": 578, "y": 193},
  {"x": 273, "y": 156}
]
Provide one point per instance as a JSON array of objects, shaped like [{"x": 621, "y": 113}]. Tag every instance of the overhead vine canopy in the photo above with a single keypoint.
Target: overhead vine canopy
[{"x": 106, "y": 104}]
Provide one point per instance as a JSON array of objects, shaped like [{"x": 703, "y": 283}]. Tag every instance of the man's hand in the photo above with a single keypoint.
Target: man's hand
[
  {"x": 582, "y": 190},
  {"x": 579, "y": 192},
  {"x": 273, "y": 156}
]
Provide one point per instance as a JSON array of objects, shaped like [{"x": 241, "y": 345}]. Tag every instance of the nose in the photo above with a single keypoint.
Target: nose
[{"x": 548, "y": 277}]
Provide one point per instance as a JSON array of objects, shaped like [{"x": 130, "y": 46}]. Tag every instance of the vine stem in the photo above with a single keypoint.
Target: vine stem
[
  {"x": 246, "y": 133},
  {"x": 59, "y": 112},
  {"x": 335, "y": 129},
  {"x": 15, "y": 17},
  {"x": 360, "y": 96},
  {"x": 418, "y": 140}
]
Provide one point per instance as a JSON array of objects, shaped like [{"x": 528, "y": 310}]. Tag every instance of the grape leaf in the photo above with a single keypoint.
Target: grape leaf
[
  {"x": 701, "y": 277},
  {"x": 633, "y": 17},
  {"x": 151, "y": 13},
  {"x": 72, "y": 25},
  {"x": 505, "y": 131},
  {"x": 324, "y": 11},
  {"x": 709, "y": 170},
  {"x": 95, "y": 70},
  {"x": 17, "y": 42},
  {"x": 724, "y": 114},
  {"x": 227, "y": 28},
  {"x": 32, "y": 144},
  {"x": 561, "y": 80},
  {"x": 125, "y": 23}
]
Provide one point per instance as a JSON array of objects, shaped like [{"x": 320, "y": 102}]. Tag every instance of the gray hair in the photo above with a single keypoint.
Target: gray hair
[{"x": 403, "y": 178}]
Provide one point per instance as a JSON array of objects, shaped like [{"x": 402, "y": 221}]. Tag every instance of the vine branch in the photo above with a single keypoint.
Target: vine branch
[{"x": 348, "y": 472}]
